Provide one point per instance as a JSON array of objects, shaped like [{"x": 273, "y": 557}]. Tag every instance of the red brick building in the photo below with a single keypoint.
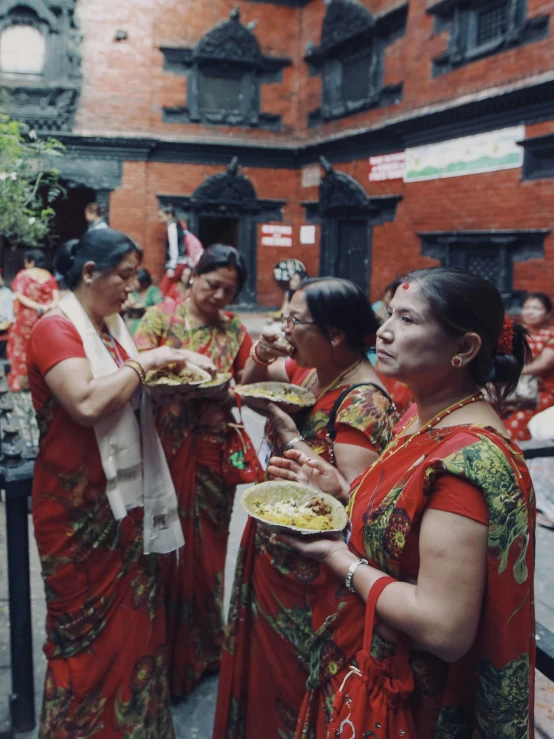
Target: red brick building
[{"x": 226, "y": 109}]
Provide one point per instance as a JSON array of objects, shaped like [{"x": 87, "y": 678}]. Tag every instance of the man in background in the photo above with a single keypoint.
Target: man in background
[{"x": 94, "y": 216}]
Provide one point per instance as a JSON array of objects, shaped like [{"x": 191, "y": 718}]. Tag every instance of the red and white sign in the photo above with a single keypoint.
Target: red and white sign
[
  {"x": 387, "y": 167},
  {"x": 276, "y": 235}
]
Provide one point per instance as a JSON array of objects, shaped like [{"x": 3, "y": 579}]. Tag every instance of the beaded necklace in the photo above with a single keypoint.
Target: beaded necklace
[{"x": 395, "y": 445}]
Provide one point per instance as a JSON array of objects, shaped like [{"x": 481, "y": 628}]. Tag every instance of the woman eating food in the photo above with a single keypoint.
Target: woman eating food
[
  {"x": 266, "y": 659},
  {"x": 431, "y": 599}
]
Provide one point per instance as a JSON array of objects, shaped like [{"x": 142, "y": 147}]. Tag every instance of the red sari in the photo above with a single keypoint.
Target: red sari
[
  {"x": 489, "y": 693},
  {"x": 25, "y": 318},
  {"x": 266, "y": 659},
  {"x": 516, "y": 421},
  {"x": 194, "y": 597},
  {"x": 105, "y": 630}
]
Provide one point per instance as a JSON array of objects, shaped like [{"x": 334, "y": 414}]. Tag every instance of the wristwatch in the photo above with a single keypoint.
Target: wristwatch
[{"x": 350, "y": 574}]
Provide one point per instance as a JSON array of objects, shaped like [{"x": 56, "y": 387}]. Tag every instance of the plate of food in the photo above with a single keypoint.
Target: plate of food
[
  {"x": 215, "y": 385},
  {"x": 291, "y": 398},
  {"x": 169, "y": 382},
  {"x": 294, "y": 508}
]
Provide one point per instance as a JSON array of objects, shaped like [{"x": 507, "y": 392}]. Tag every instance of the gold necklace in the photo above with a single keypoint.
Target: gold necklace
[
  {"x": 394, "y": 447},
  {"x": 333, "y": 383}
]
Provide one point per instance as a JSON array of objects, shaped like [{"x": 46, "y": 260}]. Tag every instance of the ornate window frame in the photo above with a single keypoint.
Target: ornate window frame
[
  {"x": 460, "y": 18},
  {"x": 45, "y": 101},
  {"x": 350, "y": 33},
  {"x": 454, "y": 248},
  {"x": 230, "y": 49},
  {"x": 538, "y": 159}
]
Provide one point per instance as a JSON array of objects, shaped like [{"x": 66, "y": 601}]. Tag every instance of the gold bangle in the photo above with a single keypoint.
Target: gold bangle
[{"x": 137, "y": 366}]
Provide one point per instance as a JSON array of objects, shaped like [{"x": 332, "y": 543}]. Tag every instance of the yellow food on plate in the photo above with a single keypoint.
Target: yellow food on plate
[
  {"x": 285, "y": 393},
  {"x": 315, "y": 514},
  {"x": 163, "y": 377}
]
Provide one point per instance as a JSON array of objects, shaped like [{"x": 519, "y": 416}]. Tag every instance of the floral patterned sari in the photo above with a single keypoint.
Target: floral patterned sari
[
  {"x": 25, "y": 318},
  {"x": 266, "y": 659},
  {"x": 105, "y": 630},
  {"x": 489, "y": 693},
  {"x": 194, "y": 597},
  {"x": 516, "y": 421}
]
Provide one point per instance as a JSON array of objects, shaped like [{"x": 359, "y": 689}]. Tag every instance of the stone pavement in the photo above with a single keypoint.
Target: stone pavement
[{"x": 193, "y": 718}]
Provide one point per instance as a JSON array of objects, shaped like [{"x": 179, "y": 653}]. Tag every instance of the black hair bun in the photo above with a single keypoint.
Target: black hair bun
[{"x": 65, "y": 257}]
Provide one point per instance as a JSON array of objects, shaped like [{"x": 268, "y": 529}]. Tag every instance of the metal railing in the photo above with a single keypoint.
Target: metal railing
[{"x": 16, "y": 477}]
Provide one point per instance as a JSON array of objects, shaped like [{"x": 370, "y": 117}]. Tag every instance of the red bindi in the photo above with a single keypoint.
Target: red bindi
[{"x": 405, "y": 286}]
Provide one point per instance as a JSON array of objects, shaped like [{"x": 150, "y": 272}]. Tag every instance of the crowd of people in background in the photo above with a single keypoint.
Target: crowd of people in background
[{"x": 427, "y": 604}]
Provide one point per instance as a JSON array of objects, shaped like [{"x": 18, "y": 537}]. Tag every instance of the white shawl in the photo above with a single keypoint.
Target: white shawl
[{"x": 132, "y": 457}]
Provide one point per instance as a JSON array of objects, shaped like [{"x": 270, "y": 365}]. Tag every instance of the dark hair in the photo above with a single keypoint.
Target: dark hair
[
  {"x": 103, "y": 246},
  {"x": 303, "y": 273},
  {"x": 393, "y": 286},
  {"x": 337, "y": 303},
  {"x": 95, "y": 208},
  {"x": 37, "y": 256},
  {"x": 144, "y": 278},
  {"x": 544, "y": 299},
  {"x": 465, "y": 303},
  {"x": 219, "y": 255}
]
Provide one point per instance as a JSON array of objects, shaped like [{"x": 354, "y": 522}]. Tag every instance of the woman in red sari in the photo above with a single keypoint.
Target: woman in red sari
[
  {"x": 105, "y": 627},
  {"x": 266, "y": 660},
  {"x": 447, "y": 513},
  {"x": 536, "y": 316},
  {"x": 193, "y": 434},
  {"x": 35, "y": 291}
]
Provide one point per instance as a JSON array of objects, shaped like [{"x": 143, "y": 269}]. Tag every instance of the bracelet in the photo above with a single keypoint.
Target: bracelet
[
  {"x": 292, "y": 442},
  {"x": 255, "y": 357},
  {"x": 137, "y": 366},
  {"x": 350, "y": 574}
]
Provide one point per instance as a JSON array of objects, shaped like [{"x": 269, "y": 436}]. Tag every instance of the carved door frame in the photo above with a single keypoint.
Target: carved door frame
[
  {"x": 232, "y": 195},
  {"x": 342, "y": 199}
]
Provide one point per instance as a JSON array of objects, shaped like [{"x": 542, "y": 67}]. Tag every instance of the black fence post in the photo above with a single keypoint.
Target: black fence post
[{"x": 17, "y": 483}]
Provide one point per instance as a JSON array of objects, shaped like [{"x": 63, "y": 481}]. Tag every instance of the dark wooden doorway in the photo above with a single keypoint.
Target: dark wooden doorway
[{"x": 218, "y": 230}]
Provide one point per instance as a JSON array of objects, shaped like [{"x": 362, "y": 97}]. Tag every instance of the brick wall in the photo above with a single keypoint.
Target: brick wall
[
  {"x": 134, "y": 210},
  {"x": 125, "y": 87}
]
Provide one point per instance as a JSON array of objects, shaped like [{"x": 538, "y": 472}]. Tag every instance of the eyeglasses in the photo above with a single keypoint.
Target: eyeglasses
[{"x": 286, "y": 318}]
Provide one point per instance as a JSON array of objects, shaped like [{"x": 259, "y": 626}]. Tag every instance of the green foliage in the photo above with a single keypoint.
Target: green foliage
[{"x": 29, "y": 184}]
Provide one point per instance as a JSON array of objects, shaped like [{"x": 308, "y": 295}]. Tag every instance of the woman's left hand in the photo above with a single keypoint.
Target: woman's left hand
[{"x": 320, "y": 549}]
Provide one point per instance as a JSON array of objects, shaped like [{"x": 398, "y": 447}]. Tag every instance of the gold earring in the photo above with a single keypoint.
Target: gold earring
[{"x": 457, "y": 362}]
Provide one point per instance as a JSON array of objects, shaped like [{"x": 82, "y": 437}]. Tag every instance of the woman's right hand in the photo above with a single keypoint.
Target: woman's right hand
[
  {"x": 272, "y": 344},
  {"x": 162, "y": 356},
  {"x": 298, "y": 467}
]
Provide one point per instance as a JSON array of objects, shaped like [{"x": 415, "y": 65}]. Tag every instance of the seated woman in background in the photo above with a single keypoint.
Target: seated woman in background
[
  {"x": 266, "y": 659},
  {"x": 103, "y": 503},
  {"x": 536, "y": 316},
  {"x": 442, "y": 526},
  {"x": 194, "y": 432},
  {"x": 144, "y": 296}
]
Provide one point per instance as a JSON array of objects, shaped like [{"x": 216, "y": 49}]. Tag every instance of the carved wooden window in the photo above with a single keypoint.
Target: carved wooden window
[
  {"x": 40, "y": 62},
  {"x": 349, "y": 83},
  {"x": 479, "y": 28},
  {"x": 488, "y": 24},
  {"x": 22, "y": 50},
  {"x": 350, "y": 59},
  {"x": 225, "y": 72},
  {"x": 489, "y": 254},
  {"x": 220, "y": 93}
]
